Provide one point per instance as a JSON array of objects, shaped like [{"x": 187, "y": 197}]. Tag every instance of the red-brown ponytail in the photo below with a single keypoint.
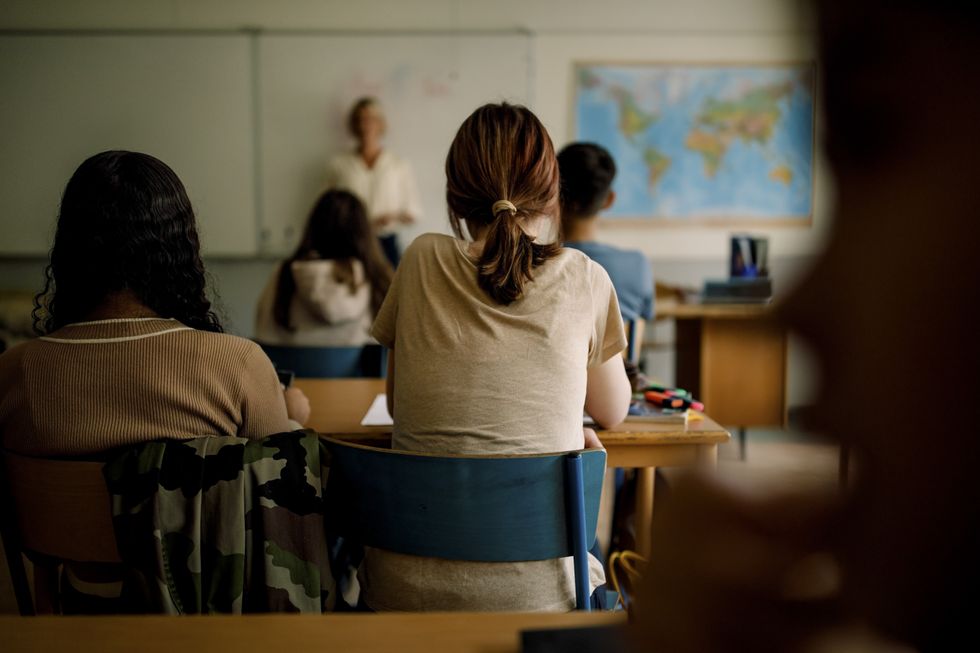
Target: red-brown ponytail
[{"x": 501, "y": 172}]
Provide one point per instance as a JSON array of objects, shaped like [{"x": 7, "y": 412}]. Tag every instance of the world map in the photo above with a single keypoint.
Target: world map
[{"x": 702, "y": 142}]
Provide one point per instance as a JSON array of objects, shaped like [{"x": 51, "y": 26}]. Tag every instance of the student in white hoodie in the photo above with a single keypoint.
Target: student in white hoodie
[{"x": 328, "y": 292}]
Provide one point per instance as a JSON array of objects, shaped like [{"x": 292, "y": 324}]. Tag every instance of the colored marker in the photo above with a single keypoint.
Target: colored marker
[
  {"x": 668, "y": 401},
  {"x": 663, "y": 400},
  {"x": 679, "y": 392},
  {"x": 690, "y": 403}
]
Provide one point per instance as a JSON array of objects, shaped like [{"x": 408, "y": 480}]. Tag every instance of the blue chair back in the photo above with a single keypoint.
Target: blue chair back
[
  {"x": 632, "y": 341},
  {"x": 328, "y": 362},
  {"x": 478, "y": 508}
]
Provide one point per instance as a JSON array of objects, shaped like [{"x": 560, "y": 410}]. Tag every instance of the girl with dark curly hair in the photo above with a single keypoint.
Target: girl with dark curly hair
[{"x": 130, "y": 348}]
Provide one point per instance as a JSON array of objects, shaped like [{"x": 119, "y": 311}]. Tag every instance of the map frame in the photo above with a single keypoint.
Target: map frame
[{"x": 734, "y": 220}]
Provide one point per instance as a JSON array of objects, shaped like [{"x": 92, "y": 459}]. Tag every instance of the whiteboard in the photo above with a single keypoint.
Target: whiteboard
[
  {"x": 427, "y": 85},
  {"x": 186, "y": 99}
]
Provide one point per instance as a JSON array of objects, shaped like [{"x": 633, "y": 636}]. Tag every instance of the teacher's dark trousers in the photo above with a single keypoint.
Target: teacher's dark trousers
[{"x": 389, "y": 245}]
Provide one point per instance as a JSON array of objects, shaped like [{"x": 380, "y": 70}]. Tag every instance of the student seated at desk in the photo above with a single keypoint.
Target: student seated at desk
[
  {"x": 130, "y": 349},
  {"x": 587, "y": 172},
  {"x": 328, "y": 292},
  {"x": 500, "y": 341}
]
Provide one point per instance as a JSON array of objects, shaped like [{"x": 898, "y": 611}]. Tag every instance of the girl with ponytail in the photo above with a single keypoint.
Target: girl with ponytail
[{"x": 501, "y": 338}]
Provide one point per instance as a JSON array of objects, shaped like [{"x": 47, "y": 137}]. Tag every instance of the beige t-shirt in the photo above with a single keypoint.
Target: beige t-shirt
[
  {"x": 324, "y": 311},
  {"x": 475, "y": 377}
]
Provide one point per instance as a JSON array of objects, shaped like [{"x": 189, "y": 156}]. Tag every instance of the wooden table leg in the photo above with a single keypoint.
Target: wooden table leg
[
  {"x": 708, "y": 455},
  {"x": 644, "y": 508}
]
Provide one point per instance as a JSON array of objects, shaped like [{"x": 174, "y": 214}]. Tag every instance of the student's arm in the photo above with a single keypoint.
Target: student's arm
[
  {"x": 263, "y": 403},
  {"x": 607, "y": 392},
  {"x": 383, "y": 329},
  {"x": 297, "y": 405},
  {"x": 390, "y": 383}
]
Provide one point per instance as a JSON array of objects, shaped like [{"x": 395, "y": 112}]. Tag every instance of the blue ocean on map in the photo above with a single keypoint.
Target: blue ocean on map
[{"x": 702, "y": 142}]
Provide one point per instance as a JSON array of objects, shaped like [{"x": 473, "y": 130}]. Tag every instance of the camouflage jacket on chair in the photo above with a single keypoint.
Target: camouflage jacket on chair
[{"x": 222, "y": 524}]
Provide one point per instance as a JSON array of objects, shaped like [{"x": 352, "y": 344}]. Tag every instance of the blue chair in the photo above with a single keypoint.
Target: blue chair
[
  {"x": 634, "y": 334},
  {"x": 328, "y": 362},
  {"x": 477, "y": 508}
]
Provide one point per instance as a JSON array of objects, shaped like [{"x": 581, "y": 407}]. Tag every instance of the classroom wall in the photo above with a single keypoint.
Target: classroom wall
[
  {"x": 650, "y": 16},
  {"x": 682, "y": 30}
]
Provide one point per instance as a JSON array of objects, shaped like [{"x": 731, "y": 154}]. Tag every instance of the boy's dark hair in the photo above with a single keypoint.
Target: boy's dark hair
[{"x": 587, "y": 171}]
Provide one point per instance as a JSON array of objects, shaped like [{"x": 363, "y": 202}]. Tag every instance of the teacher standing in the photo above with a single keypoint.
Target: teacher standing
[{"x": 383, "y": 181}]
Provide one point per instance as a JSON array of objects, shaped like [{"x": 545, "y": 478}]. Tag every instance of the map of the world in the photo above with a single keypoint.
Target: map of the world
[{"x": 708, "y": 142}]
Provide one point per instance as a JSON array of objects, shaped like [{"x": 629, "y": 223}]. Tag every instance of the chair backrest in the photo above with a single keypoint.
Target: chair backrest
[
  {"x": 327, "y": 362},
  {"x": 634, "y": 340},
  {"x": 479, "y": 508},
  {"x": 54, "y": 511}
]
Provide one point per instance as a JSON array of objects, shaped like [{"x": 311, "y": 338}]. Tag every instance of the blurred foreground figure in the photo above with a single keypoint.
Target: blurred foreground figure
[{"x": 890, "y": 310}]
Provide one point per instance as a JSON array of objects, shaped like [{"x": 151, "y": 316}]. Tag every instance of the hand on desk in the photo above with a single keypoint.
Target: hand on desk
[
  {"x": 297, "y": 405},
  {"x": 591, "y": 439}
]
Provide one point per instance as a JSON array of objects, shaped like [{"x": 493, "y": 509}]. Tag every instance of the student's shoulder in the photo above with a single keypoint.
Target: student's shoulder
[
  {"x": 223, "y": 347},
  {"x": 578, "y": 264},
  {"x": 622, "y": 260},
  {"x": 578, "y": 258},
  {"x": 428, "y": 244},
  {"x": 633, "y": 255}
]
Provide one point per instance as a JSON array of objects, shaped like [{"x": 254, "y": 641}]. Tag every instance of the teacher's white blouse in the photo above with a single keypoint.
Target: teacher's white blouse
[{"x": 388, "y": 187}]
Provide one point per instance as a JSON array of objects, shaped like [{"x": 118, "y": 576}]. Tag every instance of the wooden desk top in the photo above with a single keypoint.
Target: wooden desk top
[
  {"x": 697, "y": 310},
  {"x": 338, "y": 405},
  {"x": 350, "y": 633}
]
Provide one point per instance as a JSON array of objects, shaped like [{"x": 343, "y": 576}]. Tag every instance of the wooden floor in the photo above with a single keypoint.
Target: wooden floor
[
  {"x": 774, "y": 459},
  {"x": 781, "y": 458}
]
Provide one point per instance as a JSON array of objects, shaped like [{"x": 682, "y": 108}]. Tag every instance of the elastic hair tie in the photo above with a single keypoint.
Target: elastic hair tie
[{"x": 503, "y": 205}]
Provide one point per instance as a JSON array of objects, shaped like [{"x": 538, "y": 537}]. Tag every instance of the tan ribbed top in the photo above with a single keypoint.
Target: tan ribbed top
[{"x": 92, "y": 386}]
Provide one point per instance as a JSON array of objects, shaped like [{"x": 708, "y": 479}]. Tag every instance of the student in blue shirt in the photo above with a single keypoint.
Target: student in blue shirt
[{"x": 587, "y": 171}]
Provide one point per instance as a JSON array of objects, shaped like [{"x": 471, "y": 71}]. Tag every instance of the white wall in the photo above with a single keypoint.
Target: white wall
[
  {"x": 666, "y": 16},
  {"x": 562, "y": 31}
]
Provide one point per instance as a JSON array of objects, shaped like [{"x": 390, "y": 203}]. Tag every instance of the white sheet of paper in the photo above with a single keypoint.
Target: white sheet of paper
[{"x": 377, "y": 414}]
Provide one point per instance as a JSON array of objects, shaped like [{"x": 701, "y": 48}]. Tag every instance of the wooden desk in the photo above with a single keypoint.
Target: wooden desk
[
  {"x": 733, "y": 358},
  {"x": 349, "y": 633},
  {"x": 338, "y": 405}
]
